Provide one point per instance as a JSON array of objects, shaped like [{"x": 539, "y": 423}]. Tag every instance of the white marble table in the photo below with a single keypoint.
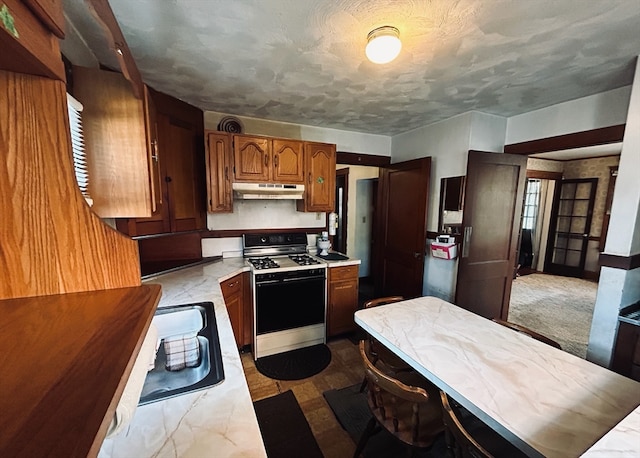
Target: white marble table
[
  {"x": 622, "y": 441},
  {"x": 545, "y": 401}
]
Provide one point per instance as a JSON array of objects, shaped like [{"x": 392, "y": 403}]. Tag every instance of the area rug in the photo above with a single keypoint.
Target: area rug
[
  {"x": 284, "y": 428},
  {"x": 352, "y": 412},
  {"x": 560, "y": 308},
  {"x": 295, "y": 364}
]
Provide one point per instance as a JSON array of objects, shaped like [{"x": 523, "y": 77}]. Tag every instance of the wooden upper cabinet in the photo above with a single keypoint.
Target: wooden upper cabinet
[
  {"x": 50, "y": 13},
  {"x": 219, "y": 165},
  {"x": 288, "y": 161},
  {"x": 120, "y": 165},
  {"x": 320, "y": 168},
  {"x": 29, "y": 38},
  {"x": 267, "y": 160},
  {"x": 251, "y": 158},
  {"x": 181, "y": 161}
]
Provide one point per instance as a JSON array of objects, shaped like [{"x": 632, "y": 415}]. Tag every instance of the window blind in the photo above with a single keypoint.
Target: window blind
[{"x": 77, "y": 145}]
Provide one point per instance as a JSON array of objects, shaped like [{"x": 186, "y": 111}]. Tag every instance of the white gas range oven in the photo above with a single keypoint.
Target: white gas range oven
[{"x": 289, "y": 289}]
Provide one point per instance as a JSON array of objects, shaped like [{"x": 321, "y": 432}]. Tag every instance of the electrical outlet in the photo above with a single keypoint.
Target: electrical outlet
[{"x": 318, "y": 216}]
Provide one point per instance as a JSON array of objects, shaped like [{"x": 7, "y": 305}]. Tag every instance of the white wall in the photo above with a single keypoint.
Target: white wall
[
  {"x": 447, "y": 143},
  {"x": 264, "y": 214},
  {"x": 619, "y": 288},
  {"x": 600, "y": 110}
]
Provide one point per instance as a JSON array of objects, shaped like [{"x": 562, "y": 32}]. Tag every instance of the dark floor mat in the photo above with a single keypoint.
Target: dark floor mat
[
  {"x": 284, "y": 428},
  {"x": 295, "y": 364},
  {"x": 352, "y": 412}
]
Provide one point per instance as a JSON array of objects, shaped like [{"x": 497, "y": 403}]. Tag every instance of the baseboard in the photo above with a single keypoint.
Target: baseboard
[{"x": 590, "y": 275}]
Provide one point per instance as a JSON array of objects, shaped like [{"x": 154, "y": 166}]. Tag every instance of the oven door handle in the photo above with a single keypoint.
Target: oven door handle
[{"x": 288, "y": 280}]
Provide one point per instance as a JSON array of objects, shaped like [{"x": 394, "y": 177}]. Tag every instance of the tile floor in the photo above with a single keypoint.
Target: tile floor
[{"x": 344, "y": 370}]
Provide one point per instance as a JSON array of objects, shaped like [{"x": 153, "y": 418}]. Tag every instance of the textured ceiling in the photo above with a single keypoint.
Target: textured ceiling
[{"x": 303, "y": 61}]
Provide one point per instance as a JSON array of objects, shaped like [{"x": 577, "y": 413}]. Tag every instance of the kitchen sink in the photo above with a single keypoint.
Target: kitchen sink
[{"x": 161, "y": 383}]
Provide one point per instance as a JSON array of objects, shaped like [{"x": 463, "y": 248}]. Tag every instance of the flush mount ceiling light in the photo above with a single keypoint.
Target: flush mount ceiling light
[{"x": 383, "y": 44}]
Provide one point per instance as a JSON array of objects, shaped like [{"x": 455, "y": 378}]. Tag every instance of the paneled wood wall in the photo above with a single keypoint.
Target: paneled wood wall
[{"x": 50, "y": 241}]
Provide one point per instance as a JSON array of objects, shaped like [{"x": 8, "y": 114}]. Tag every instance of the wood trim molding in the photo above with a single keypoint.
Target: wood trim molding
[
  {"x": 602, "y": 136},
  {"x": 239, "y": 232},
  {"x": 543, "y": 175},
  {"x": 619, "y": 262},
  {"x": 103, "y": 13},
  {"x": 372, "y": 160}
]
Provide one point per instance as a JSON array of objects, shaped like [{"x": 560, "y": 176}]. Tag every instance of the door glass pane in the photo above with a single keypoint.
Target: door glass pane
[
  {"x": 565, "y": 208},
  {"x": 581, "y": 207},
  {"x": 558, "y": 256},
  {"x": 564, "y": 224},
  {"x": 583, "y": 190},
  {"x": 575, "y": 244},
  {"x": 568, "y": 191},
  {"x": 578, "y": 225},
  {"x": 561, "y": 242},
  {"x": 572, "y": 258}
]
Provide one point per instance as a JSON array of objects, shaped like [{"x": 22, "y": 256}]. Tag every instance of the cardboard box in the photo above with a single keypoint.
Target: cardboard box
[{"x": 444, "y": 250}]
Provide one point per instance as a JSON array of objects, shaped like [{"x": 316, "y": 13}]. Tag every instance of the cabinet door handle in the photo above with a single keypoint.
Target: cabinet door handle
[
  {"x": 275, "y": 161},
  {"x": 466, "y": 241},
  {"x": 344, "y": 287},
  {"x": 226, "y": 173},
  {"x": 266, "y": 160},
  {"x": 309, "y": 177},
  {"x": 154, "y": 149},
  {"x": 232, "y": 284}
]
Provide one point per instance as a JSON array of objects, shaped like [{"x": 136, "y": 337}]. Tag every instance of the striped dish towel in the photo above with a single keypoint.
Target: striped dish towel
[{"x": 182, "y": 351}]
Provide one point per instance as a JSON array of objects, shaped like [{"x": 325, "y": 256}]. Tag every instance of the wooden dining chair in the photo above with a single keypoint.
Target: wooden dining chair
[
  {"x": 460, "y": 444},
  {"x": 528, "y": 332},
  {"x": 413, "y": 414},
  {"x": 391, "y": 363},
  {"x": 468, "y": 437}
]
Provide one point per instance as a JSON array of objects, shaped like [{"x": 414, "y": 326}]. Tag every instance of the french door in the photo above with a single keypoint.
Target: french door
[{"x": 570, "y": 225}]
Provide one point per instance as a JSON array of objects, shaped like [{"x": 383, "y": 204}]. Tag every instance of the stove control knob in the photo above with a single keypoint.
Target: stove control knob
[{"x": 263, "y": 239}]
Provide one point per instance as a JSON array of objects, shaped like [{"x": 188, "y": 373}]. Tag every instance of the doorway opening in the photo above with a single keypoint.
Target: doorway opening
[
  {"x": 552, "y": 301},
  {"x": 339, "y": 243}
]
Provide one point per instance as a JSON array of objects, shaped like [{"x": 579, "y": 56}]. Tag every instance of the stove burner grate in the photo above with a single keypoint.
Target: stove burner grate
[
  {"x": 303, "y": 259},
  {"x": 263, "y": 263}
]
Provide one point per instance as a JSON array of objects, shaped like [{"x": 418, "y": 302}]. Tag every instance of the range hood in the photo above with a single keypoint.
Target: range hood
[{"x": 267, "y": 191}]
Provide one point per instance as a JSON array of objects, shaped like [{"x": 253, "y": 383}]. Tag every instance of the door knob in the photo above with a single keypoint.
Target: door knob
[{"x": 416, "y": 255}]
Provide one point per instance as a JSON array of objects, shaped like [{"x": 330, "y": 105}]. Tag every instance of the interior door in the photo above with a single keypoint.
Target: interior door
[
  {"x": 570, "y": 225},
  {"x": 491, "y": 225},
  {"x": 403, "y": 196}
]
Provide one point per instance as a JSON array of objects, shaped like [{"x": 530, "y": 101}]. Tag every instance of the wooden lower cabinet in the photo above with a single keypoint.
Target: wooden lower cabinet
[
  {"x": 238, "y": 301},
  {"x": 626, "y": 354},
  {"x": 343, "y": 299}
]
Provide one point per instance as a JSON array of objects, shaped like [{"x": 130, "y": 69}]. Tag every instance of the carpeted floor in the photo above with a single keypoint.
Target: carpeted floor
[
  {"x": 560, "y": 308},
  {"x": 284, "y": 428}
]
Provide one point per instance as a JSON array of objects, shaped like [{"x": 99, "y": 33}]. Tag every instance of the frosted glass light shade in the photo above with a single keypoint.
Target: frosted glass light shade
[{"x": 383, "y": 45}]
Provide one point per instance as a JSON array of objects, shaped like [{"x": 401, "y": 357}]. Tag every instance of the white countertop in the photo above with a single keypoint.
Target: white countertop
[
  {"x": 339, "y": 263},
  {"x": 544, "y": 400},
  {"x": 622, "y": 441},
  {"x": 219, "y": 421}
]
